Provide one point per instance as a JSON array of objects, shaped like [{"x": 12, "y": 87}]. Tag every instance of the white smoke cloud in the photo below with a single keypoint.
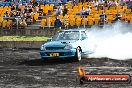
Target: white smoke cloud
[{"x": 113, "y": 41}]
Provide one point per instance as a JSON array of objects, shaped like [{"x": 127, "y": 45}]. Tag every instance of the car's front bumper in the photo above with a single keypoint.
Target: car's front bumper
[{"x": 62, "y": 53}]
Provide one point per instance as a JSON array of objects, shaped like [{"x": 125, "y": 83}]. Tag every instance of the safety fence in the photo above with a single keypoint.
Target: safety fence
[
  {"x": 28, "y": 32},
  {"x": 21, "y": 44}
]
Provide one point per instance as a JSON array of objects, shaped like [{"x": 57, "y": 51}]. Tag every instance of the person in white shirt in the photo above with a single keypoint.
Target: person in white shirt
[
  {"x": 96, "y": 3},
  {"x": 88, "y": 10}
]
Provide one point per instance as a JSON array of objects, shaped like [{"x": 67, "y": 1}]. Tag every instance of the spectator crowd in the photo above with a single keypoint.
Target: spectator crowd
[{"x": 70, "y": 12}]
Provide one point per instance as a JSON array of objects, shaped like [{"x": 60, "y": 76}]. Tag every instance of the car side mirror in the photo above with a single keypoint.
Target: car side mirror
[{"x": 49, "y": 39}]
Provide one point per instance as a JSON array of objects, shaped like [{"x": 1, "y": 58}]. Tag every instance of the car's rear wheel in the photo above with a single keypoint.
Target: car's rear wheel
[{"x": 78, "y": 56}]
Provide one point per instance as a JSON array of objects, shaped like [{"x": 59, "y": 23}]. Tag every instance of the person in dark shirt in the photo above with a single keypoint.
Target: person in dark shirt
[
  {"x": 57, "y": 25},
  {"x": 129, "y": 4},
  {"x": 117, "y": 17},
  {"x": 13, "y": 8},
  {"x": 102, "y": 18},
  {"x": 65, "y": 11}
]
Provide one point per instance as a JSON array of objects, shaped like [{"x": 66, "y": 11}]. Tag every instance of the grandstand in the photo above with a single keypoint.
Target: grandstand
[{"x": 39, "y": 14}]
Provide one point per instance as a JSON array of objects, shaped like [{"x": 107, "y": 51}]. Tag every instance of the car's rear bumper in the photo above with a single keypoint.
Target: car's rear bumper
[{"x": 62, "y": 53}]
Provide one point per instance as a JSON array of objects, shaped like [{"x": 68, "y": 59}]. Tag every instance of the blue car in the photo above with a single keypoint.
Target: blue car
[{"x": 65, "y": 44}]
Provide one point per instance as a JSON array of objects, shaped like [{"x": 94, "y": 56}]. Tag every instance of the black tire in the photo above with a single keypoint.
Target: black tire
[
  {"x": 82, "y": 80},
  {"x": 78, "y": 56}
]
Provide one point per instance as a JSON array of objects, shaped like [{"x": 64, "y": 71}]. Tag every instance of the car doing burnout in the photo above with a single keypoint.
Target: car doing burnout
[{"x": 65, "y": 44}]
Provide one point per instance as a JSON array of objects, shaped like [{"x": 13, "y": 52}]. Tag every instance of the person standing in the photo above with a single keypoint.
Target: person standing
[
  {"x": 65, "y": 10},
  {"x": 102, "y": 20},
  {"x": 57, "y": 25}
]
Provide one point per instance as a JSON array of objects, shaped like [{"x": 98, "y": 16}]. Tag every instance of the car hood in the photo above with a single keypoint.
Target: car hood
[{"x": 60, "y": 43}]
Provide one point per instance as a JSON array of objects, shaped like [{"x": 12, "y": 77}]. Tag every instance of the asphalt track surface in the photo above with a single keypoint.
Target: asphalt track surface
[{"x": 24, "y": 69}]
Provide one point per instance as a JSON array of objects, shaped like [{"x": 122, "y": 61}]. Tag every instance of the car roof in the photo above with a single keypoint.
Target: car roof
[{"x": 74, "y": 30}]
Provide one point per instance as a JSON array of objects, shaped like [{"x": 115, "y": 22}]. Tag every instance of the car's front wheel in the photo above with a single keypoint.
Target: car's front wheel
[{"x": 78, "y": 56}]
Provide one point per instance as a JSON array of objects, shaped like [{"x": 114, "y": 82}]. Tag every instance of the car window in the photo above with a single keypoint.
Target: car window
[
  {"x": 83, "y": 35},
  {"x": 73, "y": 35},
  {"x": 58, "y": 36},
  {"x": 67, "y": 35}
]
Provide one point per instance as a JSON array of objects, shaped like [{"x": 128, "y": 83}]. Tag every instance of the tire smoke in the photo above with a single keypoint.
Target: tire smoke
[{"x": 112, "y": 41}]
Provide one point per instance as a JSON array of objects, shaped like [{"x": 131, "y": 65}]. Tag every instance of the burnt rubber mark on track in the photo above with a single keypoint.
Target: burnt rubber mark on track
[{"x": 23, "y": 68}]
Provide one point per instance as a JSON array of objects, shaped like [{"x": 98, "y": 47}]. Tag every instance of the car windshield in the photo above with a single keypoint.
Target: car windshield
[{"x": 67, "y": 35}]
